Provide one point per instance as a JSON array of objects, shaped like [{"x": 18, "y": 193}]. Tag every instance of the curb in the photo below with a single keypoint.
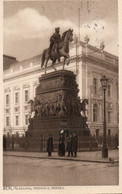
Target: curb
[{"x": 60, "y": 158}]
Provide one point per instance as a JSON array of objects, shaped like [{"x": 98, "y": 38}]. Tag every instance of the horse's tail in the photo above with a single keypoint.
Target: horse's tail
[{"x": 43, "y": 58}]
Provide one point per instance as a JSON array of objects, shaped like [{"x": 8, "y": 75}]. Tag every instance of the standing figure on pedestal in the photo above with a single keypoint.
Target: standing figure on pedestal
[
  {"x": 50, "y": 145},
  {"x": 31, "y": 107},
  {"x": 61, "y": 147},
  {"x": 36, "y": 107},
  {"x": 83, "y": 108}
]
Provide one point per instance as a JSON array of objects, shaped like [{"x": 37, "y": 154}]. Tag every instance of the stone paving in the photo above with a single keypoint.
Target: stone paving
[
  {"x": 38, "y": 171},
  {"x": 93, "y": 156}
]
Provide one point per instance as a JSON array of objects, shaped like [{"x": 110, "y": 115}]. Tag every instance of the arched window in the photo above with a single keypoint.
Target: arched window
[{"x": 95, "y": 112}]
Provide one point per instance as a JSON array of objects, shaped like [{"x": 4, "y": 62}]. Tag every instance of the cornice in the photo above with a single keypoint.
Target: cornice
[
  {"x": 30, "y": 72},
  {"x": 73, "y": 59},
  {"x": 100, "y": 62}
]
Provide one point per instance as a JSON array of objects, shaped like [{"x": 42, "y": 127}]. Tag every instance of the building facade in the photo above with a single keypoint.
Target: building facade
[{"x": 89, "y": 64}]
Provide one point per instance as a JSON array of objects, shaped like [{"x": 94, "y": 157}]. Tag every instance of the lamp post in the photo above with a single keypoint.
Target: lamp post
[{"x": 104, "y": 82}]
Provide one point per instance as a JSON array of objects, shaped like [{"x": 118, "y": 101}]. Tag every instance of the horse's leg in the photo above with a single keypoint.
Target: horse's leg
[
  {"x": 45, "y": 67},
  {"x": 53, "y": 63},
  {"x": 64, "y": 62},
  {"x": 46, "y": 64},
  {"x": 46, "y": 60},
  {"x": 65, "y": 55},
  {"x": 43, "y": 59}
]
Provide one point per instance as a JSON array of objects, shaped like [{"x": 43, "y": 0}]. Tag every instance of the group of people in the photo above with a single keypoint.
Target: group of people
[
  {"x": 72, "y": 145},
  {"x": 71, "y": 148},
  {"x": 6, "y": 143}
]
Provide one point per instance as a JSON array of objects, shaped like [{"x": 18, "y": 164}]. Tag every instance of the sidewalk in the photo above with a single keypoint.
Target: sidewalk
[{"x": 93, "y": 156}]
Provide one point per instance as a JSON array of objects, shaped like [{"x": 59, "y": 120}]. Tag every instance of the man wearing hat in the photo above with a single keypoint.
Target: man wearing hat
[
  {"x": 55, "y": 38},
  {"x": 50, "y": 145}
]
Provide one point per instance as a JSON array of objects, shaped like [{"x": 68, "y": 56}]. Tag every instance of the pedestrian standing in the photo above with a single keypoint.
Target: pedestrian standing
[
  {"x": 50, "y": 145},
  {"x": 61, "y": 146},
  {"x": 12, "y": 142},
  {"x": 69, "y": 146},
  {"x": 74, "y": 144}
]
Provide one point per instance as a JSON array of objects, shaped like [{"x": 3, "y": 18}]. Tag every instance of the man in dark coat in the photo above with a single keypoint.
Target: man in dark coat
[
  {"x": 69, "y": 146},
  {"x": 74, "y": 144},
  {"x": 55, "y": 38},
  {"x": 50, "y": 145},
  {"x": 12, "y": 141},
  {"x": 61, "y": 147}
]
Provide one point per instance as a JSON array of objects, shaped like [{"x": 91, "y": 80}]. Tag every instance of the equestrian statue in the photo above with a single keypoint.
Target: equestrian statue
[{"x": 59, "y": 47}]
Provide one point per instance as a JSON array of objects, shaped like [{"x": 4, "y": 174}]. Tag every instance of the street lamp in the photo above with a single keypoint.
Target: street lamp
[{"x": 104, "y": 82}]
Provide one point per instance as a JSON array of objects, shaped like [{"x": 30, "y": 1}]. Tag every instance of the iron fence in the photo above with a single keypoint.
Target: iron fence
[{"x": 40, "y": 144}]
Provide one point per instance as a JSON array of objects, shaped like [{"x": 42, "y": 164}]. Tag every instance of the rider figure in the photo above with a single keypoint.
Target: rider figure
[{"x": 55, "y": 38}]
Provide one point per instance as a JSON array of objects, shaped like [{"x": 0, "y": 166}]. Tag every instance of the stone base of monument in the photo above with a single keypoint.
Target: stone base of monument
[
  {"x": 58, "y": 108},
  {"x": 53, "y": 125}
]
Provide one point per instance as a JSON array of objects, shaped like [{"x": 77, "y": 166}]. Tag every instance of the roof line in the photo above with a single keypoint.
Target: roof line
[{"x": 9, "y": 56}]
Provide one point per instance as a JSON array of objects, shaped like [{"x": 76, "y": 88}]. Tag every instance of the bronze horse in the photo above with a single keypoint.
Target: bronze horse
[{"x": 63, "y": 50}]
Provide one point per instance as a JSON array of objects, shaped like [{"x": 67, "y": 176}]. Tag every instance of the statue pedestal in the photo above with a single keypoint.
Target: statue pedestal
[
  {"x": 53, "y": 125},
  {"x": 59, "y": 107}
]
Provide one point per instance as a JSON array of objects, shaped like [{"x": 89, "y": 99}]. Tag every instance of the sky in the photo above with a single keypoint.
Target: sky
[{"x": 28, "y": 25}]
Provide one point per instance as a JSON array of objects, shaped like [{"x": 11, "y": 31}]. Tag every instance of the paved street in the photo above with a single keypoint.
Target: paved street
[{"x": 21, "y": 171}]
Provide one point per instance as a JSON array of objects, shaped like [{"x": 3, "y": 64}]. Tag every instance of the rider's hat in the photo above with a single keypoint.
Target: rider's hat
[{"x": 57, "y": 28}]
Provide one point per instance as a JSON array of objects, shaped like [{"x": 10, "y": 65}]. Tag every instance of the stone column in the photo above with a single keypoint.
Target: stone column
[
  {"x": 12, "y": 107},
  {"x": 31, "y": 90},
  {"x": 79, "y": 79},
  {"x": 21, "y": 105}
]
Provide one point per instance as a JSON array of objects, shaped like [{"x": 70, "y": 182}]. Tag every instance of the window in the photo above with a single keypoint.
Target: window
[
  {"x": 16, "y": 109},
  {"x": 16, "y": 120},
  {"x": 7, "y": 100},
  {"x": 7, "y": 110},
  {"x": 26, "y": 119},
  {"x": 97, "y": 132},
  {"x": 7, "y": 121},
  {"x": 109, "y": 132},
  {"x": 26, "y": 96},
  {"x": 16, "y": 98},
  {"x": 94, "y": 112},
  {"x": 95, "y": 85},
  {"x": 109, "y": 116},
  {"x": 109, "y": 90}
]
